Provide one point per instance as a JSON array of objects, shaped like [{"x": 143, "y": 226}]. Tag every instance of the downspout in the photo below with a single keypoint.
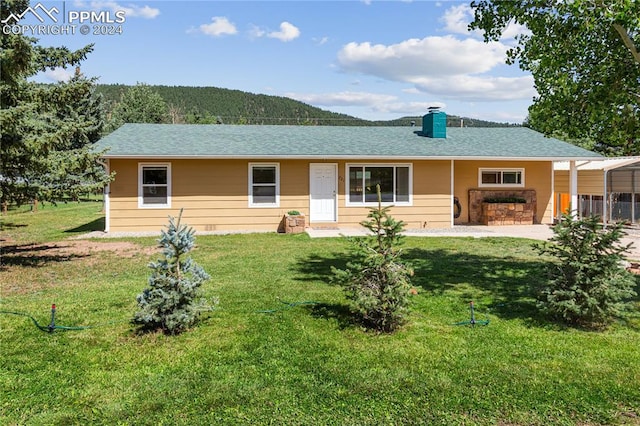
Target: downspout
[
  {"x": 605, "y": 200},
  {"x": 633, "y": 196},
  {"x": 452, "y": 194},
  {"x": 553, "y": 192},
  {"x": 106, "y": 206}
]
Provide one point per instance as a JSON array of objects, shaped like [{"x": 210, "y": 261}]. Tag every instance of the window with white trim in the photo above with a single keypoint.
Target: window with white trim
[
  {"x": 264, "y": 185},
  {"x": 154, "y": 185},
  {"x": 394, "y": 180},
  {"x": 500, "y": 177}
]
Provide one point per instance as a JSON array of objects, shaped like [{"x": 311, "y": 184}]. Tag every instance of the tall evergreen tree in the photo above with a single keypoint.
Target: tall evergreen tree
[{"x": 46, "y": 129}]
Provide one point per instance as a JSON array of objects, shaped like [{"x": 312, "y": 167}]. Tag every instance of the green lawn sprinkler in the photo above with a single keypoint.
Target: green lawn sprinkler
[
  {"x": 52, "y": 325},
  {"x": 473, "y": 321}
]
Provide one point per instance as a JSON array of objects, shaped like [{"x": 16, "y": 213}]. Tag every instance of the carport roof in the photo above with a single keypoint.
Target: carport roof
[{"x": 610, "y": 163}]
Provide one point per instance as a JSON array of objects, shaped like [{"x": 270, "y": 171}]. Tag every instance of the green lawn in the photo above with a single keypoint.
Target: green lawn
[{"x": 304, "y": 364}]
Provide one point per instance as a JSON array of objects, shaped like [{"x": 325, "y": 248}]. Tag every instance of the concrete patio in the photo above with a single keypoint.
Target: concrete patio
[{"x": 535, "y": 232}]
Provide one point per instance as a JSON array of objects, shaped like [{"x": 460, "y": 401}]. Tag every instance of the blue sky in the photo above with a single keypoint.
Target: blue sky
[{"x": 369, "y": 59}]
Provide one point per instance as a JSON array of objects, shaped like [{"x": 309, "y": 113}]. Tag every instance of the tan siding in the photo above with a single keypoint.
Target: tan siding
[
  {"x": 537, "y": 176},
  {"x": 590, "y": 182},
  {"x": 561, "y": 181},
  {"x": 214, "y": 195},
  {"x": 431, "y": 200}
]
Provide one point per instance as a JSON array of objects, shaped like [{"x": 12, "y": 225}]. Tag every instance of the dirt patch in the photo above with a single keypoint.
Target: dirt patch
[
  {"x": 86, "y": 248},
  {"x": 39, "y": 254}
]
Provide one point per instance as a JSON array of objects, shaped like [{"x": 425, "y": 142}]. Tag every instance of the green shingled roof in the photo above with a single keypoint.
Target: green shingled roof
[{"x": 331, "y": 142}]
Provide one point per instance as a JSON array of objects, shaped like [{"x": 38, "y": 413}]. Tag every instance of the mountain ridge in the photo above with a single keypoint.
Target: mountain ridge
[{"x": 215, "y": 105}]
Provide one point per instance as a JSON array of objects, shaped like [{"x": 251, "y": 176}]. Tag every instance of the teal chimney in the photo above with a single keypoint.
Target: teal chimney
[{"x": 434, "y": 123}]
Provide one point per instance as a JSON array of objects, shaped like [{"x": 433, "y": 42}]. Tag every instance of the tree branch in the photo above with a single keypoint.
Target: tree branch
[{"x": 628, "y": 42}]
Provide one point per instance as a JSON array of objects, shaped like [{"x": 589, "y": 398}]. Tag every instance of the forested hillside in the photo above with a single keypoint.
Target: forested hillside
[{"x": 213, "y": 105}]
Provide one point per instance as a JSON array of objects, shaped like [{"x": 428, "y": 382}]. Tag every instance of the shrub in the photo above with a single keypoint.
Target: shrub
[
  {"x": 588, "y": 284},
  {"x": 377, "y": 283},
  {"x": 172, "y": 302},
  {"x": 495, "y": 200}
]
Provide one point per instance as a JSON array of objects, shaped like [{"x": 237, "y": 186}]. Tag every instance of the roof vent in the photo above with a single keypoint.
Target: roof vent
[{"x": 434, "y": 123}]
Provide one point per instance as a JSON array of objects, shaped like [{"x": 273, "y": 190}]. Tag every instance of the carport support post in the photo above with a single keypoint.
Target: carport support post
[{"x": 573, "y": 188}]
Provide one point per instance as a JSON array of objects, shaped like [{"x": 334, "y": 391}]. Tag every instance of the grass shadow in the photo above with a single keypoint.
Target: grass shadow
[
  {"x": 5, "y": 226},
  {"x": 35, "y": 255},
  {"x": 506, "y": 285},
  {"x": 334, "y": 311},
  {"x": 94, "y": 225},
  {"x": 318, "y": 267}
]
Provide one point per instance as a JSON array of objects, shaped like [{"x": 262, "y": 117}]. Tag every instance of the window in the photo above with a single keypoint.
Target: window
[
  {"x": 154, "y": 188},
  {"x": 264, "y": 185},
  {"x": 394, "y": 181},
  {"x": 503, "y": 177}
]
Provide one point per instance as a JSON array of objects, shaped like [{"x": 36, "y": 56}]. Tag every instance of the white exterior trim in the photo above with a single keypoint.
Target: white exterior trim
[
  {"x": 347, "y": 201},
  {"x": 141, "y": 204},
  {"x": 250, "y": 189},
  {"x": 501, "y": 170}
]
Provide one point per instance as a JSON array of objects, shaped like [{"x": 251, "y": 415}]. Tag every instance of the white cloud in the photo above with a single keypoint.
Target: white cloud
[
  {"x": 407, "y": 108},
  {"x": 415, "y": 58},
  {"x": 59, "y": 74},
  {"x": 320, "y": 41},
  {"x": 376, "y": 102},
  {"x": 456, "y": 20},
  {"x": 444, "y": 66},
  {"x": 219, "y": 26},
  {"x": 473, "y": 88},
  {"x": 131, "y": 10},
  {"x": 287, "y": 32},
  {"x": 256, "y": 32},
  {"x": 499, "y": 116},
  {"x": 411, "y": 91}
]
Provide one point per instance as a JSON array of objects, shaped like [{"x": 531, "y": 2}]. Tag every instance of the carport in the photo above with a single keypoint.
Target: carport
[{"x": 608, "y": 188}]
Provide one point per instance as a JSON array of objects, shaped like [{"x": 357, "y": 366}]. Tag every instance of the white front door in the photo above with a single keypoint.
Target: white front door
[{"x": 322, "y": 192}]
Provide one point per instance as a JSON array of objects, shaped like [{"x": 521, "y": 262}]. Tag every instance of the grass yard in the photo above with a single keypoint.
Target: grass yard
[{"x": 305, "y": 364}]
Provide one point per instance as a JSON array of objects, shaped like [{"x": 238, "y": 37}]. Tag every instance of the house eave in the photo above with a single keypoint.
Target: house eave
[{"x": 339, "y": 157}]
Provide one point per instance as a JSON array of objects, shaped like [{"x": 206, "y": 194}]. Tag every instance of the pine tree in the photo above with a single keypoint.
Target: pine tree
[
  {"x": 377, "y": 283},
  {"x": 47, "y": 129},
  {"x": 173, "y": 301},
  {"x": 588, "y": 284}
]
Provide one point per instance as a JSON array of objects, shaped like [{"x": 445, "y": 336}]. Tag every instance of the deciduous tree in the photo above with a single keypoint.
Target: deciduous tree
[
  {"x": 584, "y": 57},
  {"x": 139, "y": 104}
]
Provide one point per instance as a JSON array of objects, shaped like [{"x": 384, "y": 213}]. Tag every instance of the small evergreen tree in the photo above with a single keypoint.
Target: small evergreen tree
[
  {"x": 172, "y": 302},
  {"x": 588, "y": 284},
  {"x": 377, "y": 283}
]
